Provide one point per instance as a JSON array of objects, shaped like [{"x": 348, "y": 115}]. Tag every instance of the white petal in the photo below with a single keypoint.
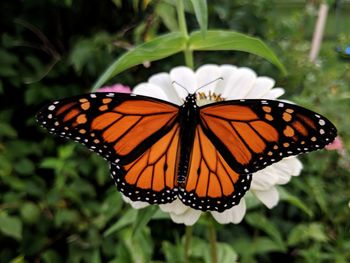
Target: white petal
[
  {"x": 232, "y": 215},
  {"x": 269, "y": 198},
  {"x": 265, "y": 178},
  {"x": 239, "y": 84},
  {"x": 188, "y": 218},
  {"x": 206, "y": 74},
  {"x": 176, "y": 207},
  {"x": 226, "y": 72},
  {"x": 163, "y": 81},
  {"x": 150, "y": 90},
  {"x": 261, "y": 86},
  {"x": 287, "y": 168},
  {"x": 186, "y": 78},
  {"x": 135, "y": 204},
  {"x": 274, "y": 94}
]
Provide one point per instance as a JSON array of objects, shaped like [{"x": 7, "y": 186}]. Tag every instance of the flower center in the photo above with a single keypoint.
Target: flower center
[{"x": 206, "y": 98}]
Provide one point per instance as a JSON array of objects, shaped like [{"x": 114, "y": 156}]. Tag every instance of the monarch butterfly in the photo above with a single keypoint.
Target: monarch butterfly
[{"x": 205, "y": 156}]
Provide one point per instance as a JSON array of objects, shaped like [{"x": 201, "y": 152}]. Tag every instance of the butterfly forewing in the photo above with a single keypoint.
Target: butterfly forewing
[
  {"x": 120, "y": 127},
  {"x": 252, "y": 134}
]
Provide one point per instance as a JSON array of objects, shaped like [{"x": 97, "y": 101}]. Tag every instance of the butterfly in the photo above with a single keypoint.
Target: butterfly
[{"x": 204, "y": 156}]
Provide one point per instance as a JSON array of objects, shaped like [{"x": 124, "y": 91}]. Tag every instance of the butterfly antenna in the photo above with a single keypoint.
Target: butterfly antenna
[
  {"x": 174, "y": 82},
  {"x": 220, "y": 78}
]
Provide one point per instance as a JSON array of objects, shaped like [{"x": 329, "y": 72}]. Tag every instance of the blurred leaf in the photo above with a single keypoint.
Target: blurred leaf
[
  {"x": 229, "y": 40},
  {"x": 66, "y": 217},
  {"x": 127, "y": 218},
  {"x": 307, "y": 232},
  {"x": 19, "y": 259},
  {"x": 261, "y": 222},
  {"x": 174, "y": 251},
  {"x": 24, "y": 166},
  {"x": 201, "y": 10},
  {"x": 168, "y": 15},
  {"x": 96, "y": 256},
  {"x": 10, "y": 226},
  {"x": 263, "y": 245},
  {"x": 158, "y": 48},
  {"x": 226, "y": 254},
  {"x": 51, "y": 256},
  {"x": 143, "y": 217},
  {"x": 30, "y": 212},
  {"x": 7, "y": 131},
  {"x": 317, "y": 188},
  {"x": 286, "y": 196},
  {"x": 118, "y": 3}
]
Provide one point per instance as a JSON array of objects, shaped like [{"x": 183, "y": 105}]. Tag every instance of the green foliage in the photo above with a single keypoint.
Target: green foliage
[{"x": 57, "y": 201}]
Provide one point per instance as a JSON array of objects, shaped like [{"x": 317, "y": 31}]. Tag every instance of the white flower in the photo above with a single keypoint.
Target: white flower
[{"x": 237, "y": 83}]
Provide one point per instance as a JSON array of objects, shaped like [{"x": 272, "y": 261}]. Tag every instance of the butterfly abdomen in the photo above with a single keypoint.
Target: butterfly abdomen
[{"x": 188, "y": 120}]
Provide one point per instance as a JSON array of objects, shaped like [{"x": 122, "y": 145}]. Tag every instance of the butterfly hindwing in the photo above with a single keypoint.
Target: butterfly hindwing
[
  {"x": 211, "y": 183},
  {"x": 120, "y": 127},
  {"x": 152, "y": 176},
  {"x": 252, "y": 134}
]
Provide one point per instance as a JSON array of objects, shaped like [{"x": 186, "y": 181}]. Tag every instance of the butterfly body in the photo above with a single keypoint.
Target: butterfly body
[
  {"x": 204, "y": 156},
  {"x": 188, "y": 119}
]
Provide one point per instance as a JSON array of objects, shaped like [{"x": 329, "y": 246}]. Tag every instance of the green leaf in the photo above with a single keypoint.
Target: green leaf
[
  {"x": 226, "y": 253},
  {"x": 260, "y": 222},
  {"x": 201, "y": 10},
  {"x": 11, "y": 226},
  {"x": 286, "y": 196},
  {"x": 30, "y": 212},
  {"x": 230, "y": 40},
  {"x": 142, "y": 219},
  {"x": 128, "y": 218},
  {"x": 158, "y": 48},
  {"x": 18, "y": 259},
  {"x": 306, "y": 232},
  {"x": 168, "y": 15}
]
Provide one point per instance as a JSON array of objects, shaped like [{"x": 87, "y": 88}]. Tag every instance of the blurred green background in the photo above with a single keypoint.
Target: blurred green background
[{"x": 57, "y": 200}]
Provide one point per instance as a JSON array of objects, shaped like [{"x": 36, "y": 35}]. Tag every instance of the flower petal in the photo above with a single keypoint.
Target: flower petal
[
  {"x": 265, "y": 178},
  {"x": 150, "y": 90},
  {"x": 287, "y": 168},
  {"x": 115, "y": 88},
  {"x": 274, "y": 94},
  {"x": 185, "y": 77},
  {"x": 188, "y": 218},
  {"x": 226, "y": 72},
  {"x": 232, "y": 215},
  {"x": 239, "y": 84},
  {"x": 163, "y": 81},
  {"x": 206, "y": 74},
  {"x": 261, "y": 87},
  {"x": 176, "y": 207},
  {"x": 135, "y": 204},
  {"x": 269, "y": 198}
]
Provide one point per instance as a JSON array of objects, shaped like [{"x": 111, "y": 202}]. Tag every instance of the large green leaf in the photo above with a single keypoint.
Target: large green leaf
[
  {"x": 158, "y": 48},
  {"x": 230, "y": 40},
  {"x": 201, "y": 10}
]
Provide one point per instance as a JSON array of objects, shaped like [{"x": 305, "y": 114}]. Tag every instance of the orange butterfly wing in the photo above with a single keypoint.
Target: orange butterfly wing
[
  {"x": 252, "y": 134},
  {"x": 152, "y": 176},
  {"x": 138, "y": 135},
  {"x": 211, "y": 184}
]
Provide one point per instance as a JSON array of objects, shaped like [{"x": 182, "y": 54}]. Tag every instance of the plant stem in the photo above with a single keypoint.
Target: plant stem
[
  {"x": 183, "y": 28},
  {"x": 188, "y": 237},
  {"x": 212, "y": 238}
]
